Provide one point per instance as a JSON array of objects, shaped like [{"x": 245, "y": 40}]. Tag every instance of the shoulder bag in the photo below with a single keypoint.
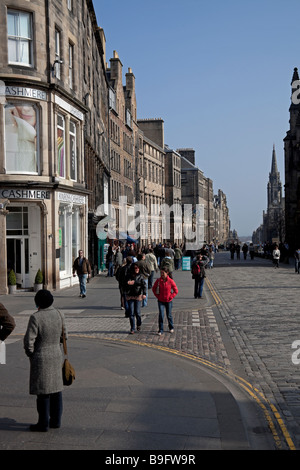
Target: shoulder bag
[{"x": 68, "y": 371}]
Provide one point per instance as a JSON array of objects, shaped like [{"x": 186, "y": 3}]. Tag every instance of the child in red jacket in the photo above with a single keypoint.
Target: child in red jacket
[{"x": 165, "y": 290}]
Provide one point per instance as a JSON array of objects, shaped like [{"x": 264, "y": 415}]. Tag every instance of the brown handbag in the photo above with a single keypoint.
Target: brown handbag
[{"x": 68, "y": 371}]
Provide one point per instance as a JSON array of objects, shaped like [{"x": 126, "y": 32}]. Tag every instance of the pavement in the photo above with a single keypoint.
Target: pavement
[{"x": 196, "y": 389}]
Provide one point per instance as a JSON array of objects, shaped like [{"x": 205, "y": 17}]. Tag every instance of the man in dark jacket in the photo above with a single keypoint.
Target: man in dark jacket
[
  {"x": 83, "y": 268},
  {"x": 135, "y": 293},
  {"x": 7, "y": 323},
  {"x": 121, "y": 278}
]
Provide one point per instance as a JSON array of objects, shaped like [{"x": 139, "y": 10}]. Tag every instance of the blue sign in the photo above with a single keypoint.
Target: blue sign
[{"x": 186, "y": 263}]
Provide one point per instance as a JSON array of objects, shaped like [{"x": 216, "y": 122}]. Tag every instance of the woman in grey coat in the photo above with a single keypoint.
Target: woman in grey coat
[{"x": 42, "y": 346}]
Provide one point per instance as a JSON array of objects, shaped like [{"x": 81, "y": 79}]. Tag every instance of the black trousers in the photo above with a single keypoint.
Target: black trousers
[{"x": 49, "y": 408}]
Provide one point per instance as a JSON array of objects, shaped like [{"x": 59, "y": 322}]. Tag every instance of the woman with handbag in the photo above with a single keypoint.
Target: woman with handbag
[
  {"x": 42, "y": 344},
  {"x": 165, "y": 290}
]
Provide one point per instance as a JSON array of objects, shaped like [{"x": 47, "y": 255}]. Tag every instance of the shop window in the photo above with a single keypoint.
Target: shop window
[
  {"x": 19, "y": 36},
  {"x": 61, "y": 145},
  {"x": 17, "y": 221},
  {"x": 69, "y": 228},
  {"x": 21, "y": 138},
  {"x": 73, "y": 154}
]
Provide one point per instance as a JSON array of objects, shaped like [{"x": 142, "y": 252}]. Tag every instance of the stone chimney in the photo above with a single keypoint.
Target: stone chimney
[{"x": 116, "y": 67}]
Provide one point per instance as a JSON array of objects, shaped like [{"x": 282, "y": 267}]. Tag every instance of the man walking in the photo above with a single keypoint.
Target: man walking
[{"x": 83, "y": 268}]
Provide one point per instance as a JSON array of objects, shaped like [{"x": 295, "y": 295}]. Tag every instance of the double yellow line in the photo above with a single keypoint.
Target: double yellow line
[
  {"x": 213, "y": 292},
  {"x": 270, "y": 412},
  {"x": 256, "y": 395}
]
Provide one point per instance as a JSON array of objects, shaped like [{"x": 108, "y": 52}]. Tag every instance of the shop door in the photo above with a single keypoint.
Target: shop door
[{"x": 18, "y": 259}]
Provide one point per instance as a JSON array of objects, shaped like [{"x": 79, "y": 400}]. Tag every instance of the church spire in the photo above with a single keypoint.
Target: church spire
[
  {"x": 295, "y": 76},
  {"x": 274, "y": 169},
  {"x": 274, "y": 184}
]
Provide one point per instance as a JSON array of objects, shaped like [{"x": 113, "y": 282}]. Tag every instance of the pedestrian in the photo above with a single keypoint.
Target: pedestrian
[
  {"x": 251, "y": 251},
  {"x": 145, "y": 272},
  {"x": 232, "y": 250},
  {"x": 276, "y": 256},
  {"x": 117, "y": 260},
  {"x": 122, "y": 275},
  {"x": 177, "y": 257},
  {"x": 211, "y": 257},
  {"x": 151, "y": 261},
  {"x": 198, "y": 274},
  {"x": 135, "y": 293},
  {"x": 110, "y": 262},
  {"x": 42, "y": 344},
  {"x": 165, "y": 290},
  {"x": 297, "y": 260},
  {"x": 245, "y": 250},
  {"x": 168, "y": 263},
  {"x": 82, "y": 267},
  {"x": 7, "y": 323}
]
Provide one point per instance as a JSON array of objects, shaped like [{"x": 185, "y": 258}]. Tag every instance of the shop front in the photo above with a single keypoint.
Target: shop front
[
  {"x": 43, "y": 230},
  {"x": 71, "y": 234}
]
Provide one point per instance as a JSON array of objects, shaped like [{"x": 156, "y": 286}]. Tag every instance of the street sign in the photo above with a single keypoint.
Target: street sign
[{"x": 186, "y": 263}]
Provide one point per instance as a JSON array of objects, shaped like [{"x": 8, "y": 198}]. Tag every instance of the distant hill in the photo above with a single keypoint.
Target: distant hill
[{"x": 247, "y": 238}]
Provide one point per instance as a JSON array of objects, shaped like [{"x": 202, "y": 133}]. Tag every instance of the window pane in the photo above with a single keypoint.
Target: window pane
[
  {"x": 21, "y": 148},
  {"x": 73, "y": 157},
  {"x": 11, "y": 24},
  {"x": 14, "y": 221},
  {"x": 19, "y": 29},
  {"x": 12, "y": 50},
  {"x": 25, "y": 27},
  {"x": 62, "y": 228},
  {"x": 24, "y": 52},
  {"x": 60, "y": 146}
]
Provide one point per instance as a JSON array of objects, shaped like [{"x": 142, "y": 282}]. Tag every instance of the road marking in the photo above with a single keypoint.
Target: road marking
[
  {"x": 213, "y": 292},
  {"x": 268, "y": 408}
]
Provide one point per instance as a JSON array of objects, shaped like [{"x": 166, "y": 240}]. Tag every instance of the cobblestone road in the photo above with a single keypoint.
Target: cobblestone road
[{"x": 260, "y": 309}]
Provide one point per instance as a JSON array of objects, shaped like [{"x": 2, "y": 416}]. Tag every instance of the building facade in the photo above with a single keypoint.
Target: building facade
[
  {"x": 152, "y": 180},
  {"x": 43, "y": 126},
  {"x": 123, "y": 147},
  {"x": 292, "y": 168},
  {"x": 197, "y": 190},
  {"x": 71, "y": 146},
  {"x": 272, "y": 228}
]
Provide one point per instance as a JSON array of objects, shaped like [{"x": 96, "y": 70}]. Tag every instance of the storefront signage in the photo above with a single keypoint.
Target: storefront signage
[
  {"x": 25, "y": 92},
  {"x": 24, "y": 194},
  {"x": 69, "y": 108},
  {"x": 71, "y": 198}
]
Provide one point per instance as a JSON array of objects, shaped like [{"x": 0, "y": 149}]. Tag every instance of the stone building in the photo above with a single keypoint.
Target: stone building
[
  {"x": 292, "y": 168},
  {"x": 272, "y": 228},
  {"x": 197, "y": 190},
  {"x": 53, "y": 127},
  {"x": 152, "y": 179},
  {"x": 173, "y": 194},
  {"x": 123, "y": 146},
  {"x": 221, "y": 219}
]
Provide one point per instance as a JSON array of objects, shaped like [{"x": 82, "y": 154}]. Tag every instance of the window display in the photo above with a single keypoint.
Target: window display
[{"x": 21, "y": 149}]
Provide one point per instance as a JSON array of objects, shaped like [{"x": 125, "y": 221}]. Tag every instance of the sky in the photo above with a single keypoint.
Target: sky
[{"x": 219, "y": 75}]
